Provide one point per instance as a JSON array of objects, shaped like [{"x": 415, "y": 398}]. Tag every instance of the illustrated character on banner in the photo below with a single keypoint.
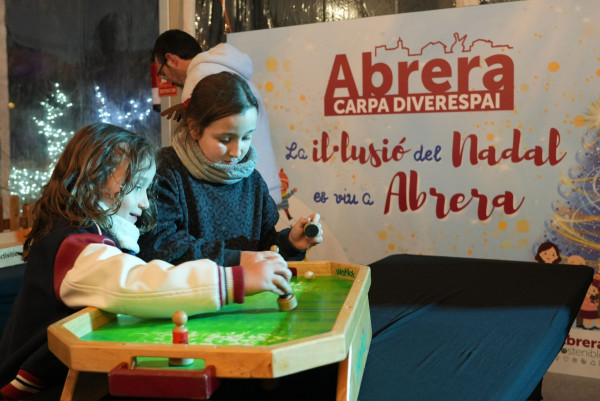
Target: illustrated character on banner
[
  {"x": 589, "y": 308},
  {"x": 576, "y": 260},
  {"x": 588, "y": 315},
  {"x": 285, "y": 194},
  {"x": 548, "y": 253}
]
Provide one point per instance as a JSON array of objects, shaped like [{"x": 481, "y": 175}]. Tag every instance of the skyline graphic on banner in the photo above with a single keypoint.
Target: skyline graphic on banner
[{"x": 447, "y": 50}]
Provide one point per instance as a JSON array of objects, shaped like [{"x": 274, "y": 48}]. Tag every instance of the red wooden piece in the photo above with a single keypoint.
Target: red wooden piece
[
  {"x": 180, "y": 336},
  {"x": 162, "y": 383}
]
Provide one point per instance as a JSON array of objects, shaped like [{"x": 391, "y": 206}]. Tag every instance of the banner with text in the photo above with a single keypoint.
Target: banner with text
[{"x": 456, "y": 132}]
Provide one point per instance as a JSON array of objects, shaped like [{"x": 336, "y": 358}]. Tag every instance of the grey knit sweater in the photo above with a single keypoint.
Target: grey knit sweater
[{"x": 199, "y": 219}]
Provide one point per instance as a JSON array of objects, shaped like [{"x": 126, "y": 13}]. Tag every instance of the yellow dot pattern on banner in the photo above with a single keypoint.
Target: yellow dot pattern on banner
[
  {"x": 589, "y": 31},
  {"x": 522, "y": 226},
  {"x": 269, "y": 86},
  {"x": 271, "y": 64},
  {"x": 579, "y": 121},
  {"x": 502, "y": 225},
  {"x": 553, "y": 66}
]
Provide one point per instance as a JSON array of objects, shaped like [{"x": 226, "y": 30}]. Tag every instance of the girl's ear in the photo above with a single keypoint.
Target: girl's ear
[{"x": 194, "y": 129}]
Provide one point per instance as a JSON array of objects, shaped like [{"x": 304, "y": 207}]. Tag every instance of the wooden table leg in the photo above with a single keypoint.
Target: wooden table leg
[
  {"x": 68, "y": 389},
  {"x": 351, "y": 369},
  {"x": 343, "y": 380},
  {"x": 84, "y": 386}
]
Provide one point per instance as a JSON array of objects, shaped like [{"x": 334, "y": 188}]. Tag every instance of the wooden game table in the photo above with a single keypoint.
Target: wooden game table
[{"x": 331, "y": 324}]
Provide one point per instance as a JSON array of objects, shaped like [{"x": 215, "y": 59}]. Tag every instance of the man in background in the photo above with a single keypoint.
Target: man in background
[{"x": 180, "y": 60}]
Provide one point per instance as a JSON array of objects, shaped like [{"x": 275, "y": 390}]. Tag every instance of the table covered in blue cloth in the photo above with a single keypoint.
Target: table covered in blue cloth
[{"x": 467, "y": 329}]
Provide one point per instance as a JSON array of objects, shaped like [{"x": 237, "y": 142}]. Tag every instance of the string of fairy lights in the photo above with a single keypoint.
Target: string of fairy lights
[
  {"x": 112, "y": 114},
  {"x": 28, "y": 183}
]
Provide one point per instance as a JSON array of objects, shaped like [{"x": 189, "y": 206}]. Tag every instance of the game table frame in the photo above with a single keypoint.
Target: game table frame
[{"x": 347, "y": 344}]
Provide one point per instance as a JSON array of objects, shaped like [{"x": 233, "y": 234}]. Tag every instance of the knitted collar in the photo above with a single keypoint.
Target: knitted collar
[
  {"x": 125, "y": 232},
  {"x": 200, "y": 167}
]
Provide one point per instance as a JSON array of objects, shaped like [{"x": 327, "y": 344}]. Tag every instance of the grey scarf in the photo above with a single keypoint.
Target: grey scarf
[{"x": 200, "y": 167}]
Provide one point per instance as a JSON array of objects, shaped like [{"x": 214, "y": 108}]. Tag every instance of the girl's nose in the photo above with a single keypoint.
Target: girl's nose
[
  {"x": 144, "y": 202},
  {"x": 235, "y": 150}
]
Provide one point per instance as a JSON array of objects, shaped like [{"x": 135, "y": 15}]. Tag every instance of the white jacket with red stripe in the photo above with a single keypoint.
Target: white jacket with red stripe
[
  {"x": 91, "y": 271},
  {"x": 70, "y": 268}
]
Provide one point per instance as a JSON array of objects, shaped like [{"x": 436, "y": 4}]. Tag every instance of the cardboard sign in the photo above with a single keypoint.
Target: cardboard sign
[{"x": 166, "y": 88}]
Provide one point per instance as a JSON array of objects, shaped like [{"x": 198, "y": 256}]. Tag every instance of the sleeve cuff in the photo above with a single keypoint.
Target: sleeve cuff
[
  {"x": 287, "y": 249},
  {"x": 235, "y": 285}
]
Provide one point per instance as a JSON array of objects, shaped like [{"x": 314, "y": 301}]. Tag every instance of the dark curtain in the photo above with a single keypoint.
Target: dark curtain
[{"x": 248, "y": 15}]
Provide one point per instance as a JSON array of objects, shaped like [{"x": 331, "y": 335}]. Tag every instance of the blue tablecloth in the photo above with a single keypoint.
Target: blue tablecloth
[{"x": 466, "y": 329}]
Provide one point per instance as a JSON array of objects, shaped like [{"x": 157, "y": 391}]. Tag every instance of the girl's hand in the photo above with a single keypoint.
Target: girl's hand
[
  {"x": 251, "y": 257},
  {"x": 270, "y": 274},
  {"x": 297, "y": 236}
]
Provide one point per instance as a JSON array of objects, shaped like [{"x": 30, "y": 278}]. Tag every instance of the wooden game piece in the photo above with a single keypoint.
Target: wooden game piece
[
  {"x": 312, "y": 230},
  {"x": 287, "y": 302},
  {"x": 180, "y": 336},
  {"x": 309, "y": 275}
]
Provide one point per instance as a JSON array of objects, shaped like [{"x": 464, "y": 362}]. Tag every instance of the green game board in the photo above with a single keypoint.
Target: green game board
[{"x": 256, "y": 322}]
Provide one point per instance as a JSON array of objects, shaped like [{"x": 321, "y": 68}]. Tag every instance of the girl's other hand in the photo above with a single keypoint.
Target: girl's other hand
[{"x": 297, "y": 236}]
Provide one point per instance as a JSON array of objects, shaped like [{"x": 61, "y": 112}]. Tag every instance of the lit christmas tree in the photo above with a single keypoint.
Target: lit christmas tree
[
  {"x": 575, "y": 225},
  {"x": 28, "y": 183}
]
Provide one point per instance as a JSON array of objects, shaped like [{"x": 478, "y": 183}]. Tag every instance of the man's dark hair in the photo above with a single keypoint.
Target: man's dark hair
[{"x": 177, "y": 42}]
